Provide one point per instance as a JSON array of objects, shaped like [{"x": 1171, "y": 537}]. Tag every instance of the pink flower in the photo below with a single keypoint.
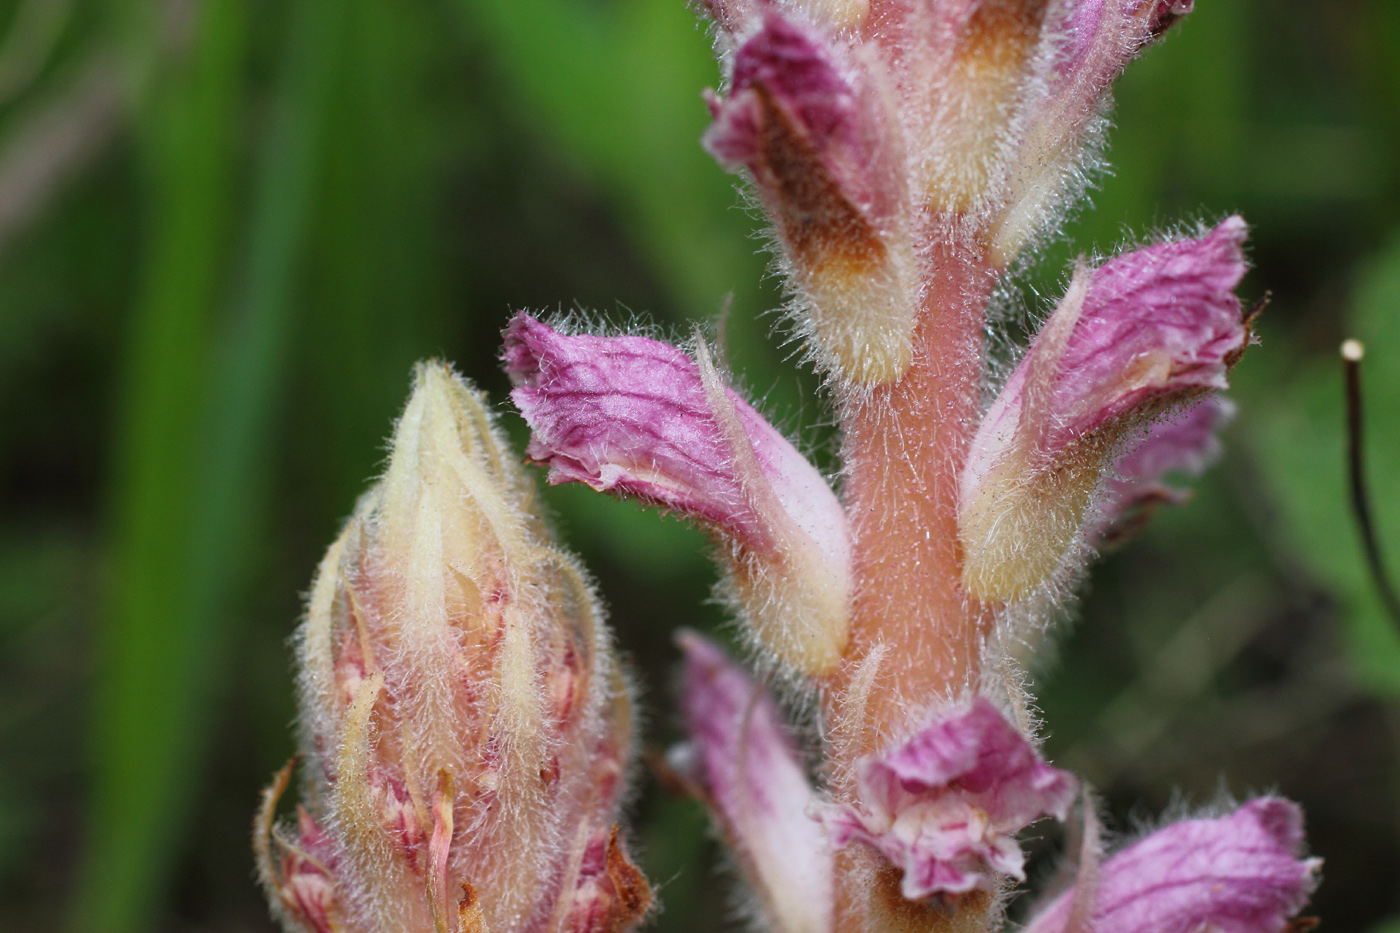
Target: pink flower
[
  {"x": 1235, "y": 874},
  {"x": 1185, "y": 444},
  {"x": 945, "y": 807},
  {"x": 638, "y": 417},
  {"x": 1144, "y": 332},
  {"x": 823, "y": 152},
  {"x": 742, "y": 762},
  {"x": 1092, "y": 41}
]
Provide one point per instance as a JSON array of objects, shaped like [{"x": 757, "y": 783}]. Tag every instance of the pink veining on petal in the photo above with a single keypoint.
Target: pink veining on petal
[
  {"x": 742, "y": 760},
  {"x": 945, "y": 807},
  {"x": 1156, "y": 321},
  {"x": 629, "y": 415},
  {"x": 1185, "y": 444},
  {"x": 1150, "y": 326},
  {"x": 1241, "y": 873}
]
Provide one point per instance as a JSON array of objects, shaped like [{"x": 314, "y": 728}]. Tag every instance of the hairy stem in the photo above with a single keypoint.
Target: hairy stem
[{"x": 904, "y": 448}]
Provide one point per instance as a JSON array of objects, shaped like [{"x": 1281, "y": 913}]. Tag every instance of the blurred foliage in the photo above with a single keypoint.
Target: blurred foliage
[{"x": 228, "y": 227}]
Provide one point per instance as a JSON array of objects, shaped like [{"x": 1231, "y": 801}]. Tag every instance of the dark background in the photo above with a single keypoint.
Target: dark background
[{"x": 228, "y": 227}]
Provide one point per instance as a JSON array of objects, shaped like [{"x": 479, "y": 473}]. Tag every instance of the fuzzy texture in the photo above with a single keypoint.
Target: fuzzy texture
[
  {"x": 639, "y": 417},
  {"x": 1148, "y": 330},
  {"x": 1091, "y": 42},
  {"x": 1241, "y": 873},
  {"x": 813, "y": 133},
  {"x": 742, "y": 762},
  {"x": 945, "y": 807},
  {"x": 1184, "y": 444},
  {"x": 466, "y": 730}
]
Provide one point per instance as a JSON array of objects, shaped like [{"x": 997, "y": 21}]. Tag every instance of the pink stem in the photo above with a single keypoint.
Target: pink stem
[{"x": 904, "y": 451}]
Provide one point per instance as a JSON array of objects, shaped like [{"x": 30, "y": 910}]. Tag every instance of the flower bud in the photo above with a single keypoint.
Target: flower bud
[
  {"x": 638, "y": 417},
  {"x": 945, "y": 807},
  {"x": 821, "y": 146},
  {"x": 741, "y": 761},
  {"x": 465, "y": 725},
  {"x": 1144, "y": 332}
]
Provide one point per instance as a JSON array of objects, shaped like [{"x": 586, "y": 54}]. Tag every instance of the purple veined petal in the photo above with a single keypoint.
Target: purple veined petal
[
  {"x": 1184, "y": 444},
  {"x": 638, "y": 417},
  {"x": 742, "y": 761},
  {"x": 815, "y": 130},
  {"x": 1149, "y": 330},
  {"x": 945, "y": 807},
  {"x": 1096, "y": 40},
  {"x": 1240, "y": 873}
]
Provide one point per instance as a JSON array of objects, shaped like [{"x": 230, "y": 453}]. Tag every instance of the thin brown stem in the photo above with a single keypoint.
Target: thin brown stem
[{"x": 1352, "y": 352}]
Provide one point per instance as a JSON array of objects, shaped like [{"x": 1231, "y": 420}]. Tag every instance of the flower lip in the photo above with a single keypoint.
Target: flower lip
[
  {"x": 747, "y": 768},
  {"x": 1240, "y": 873},
  {"x": 630, "y": 415},
  {"x": 946, "y": 805}
]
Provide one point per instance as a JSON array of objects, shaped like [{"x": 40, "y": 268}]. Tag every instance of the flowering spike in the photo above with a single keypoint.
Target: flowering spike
[
  {"x": 465, "y": 727},
  {"x": 945, "y": 807},
  {"x": 742, "y": 763},
  {"x": 638, "y": 417},
  {"x": 1145, "y": 331},
  {"x": 1236, "y": 874},
  {"x": 823, "y": 155}
]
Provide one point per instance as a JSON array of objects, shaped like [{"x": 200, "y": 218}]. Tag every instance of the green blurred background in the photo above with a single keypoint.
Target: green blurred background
[{"x": 228, "y": 227}]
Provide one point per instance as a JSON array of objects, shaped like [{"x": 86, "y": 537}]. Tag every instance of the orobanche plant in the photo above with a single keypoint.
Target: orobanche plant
[{"x": 466, "y": 728}]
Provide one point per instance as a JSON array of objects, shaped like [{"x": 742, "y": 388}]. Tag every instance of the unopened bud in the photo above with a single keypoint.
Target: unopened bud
[{"x": 465, "y": 724}]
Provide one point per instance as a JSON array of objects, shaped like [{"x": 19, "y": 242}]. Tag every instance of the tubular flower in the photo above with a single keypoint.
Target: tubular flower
[
  {"x": 1146, "y": 331},
  {"x": 742, "y": 762},
  {"x": 817, "y": 144},
  {"x": 877, "y": 131},
  {"x": 638, "y": 417},
  {"x": 465, "y": 725},
  {"x": 465, "y": 730},
  {"x": 1240, "y": 873}
]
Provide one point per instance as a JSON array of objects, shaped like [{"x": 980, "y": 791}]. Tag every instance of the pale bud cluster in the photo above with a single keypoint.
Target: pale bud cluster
[{"x": 466, "y": 730}]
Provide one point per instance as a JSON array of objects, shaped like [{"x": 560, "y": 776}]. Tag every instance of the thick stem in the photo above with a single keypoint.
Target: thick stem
[{"x": 904, "y": 449}]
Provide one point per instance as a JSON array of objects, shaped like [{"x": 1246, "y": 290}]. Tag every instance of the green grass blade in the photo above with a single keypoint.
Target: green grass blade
[{"x": 195, "y": 453}]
